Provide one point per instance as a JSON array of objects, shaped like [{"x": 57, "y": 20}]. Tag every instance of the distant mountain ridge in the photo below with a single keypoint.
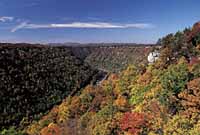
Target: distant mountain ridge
[{"x": 76, "y": 44}]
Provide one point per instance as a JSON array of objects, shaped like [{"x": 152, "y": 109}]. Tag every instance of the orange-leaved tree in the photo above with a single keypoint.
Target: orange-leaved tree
[{"x": 135, "y": 123}]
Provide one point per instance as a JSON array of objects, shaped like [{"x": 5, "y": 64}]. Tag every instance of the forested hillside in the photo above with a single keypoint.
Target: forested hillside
[
  {"x": 159, "y": 99},
  {"x": 34, "y": 78},
  {"x": 113, "y": 57}
]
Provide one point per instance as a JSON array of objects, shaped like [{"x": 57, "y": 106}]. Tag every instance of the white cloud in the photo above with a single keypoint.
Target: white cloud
[
  {"x": 97, "y": 25},
  {"x": 6, "y": 18},
  {"x": 20, "y": 26}
]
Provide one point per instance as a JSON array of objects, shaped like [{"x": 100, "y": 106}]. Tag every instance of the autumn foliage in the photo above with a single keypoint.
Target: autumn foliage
[
  {"x": 135, "y": 123},
  {"x": 191, "y": 97},
  {"x": 52, "y": 129}
]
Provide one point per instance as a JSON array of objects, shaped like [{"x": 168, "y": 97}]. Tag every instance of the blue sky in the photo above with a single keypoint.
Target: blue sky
[{"x": 138, "y": 21}]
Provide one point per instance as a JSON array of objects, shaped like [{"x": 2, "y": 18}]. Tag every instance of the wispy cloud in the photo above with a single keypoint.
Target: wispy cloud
[
  {"x": 6, "y": 18},
  {"x": 97, "y": 25},
  {"x": 20, "y": 26}
]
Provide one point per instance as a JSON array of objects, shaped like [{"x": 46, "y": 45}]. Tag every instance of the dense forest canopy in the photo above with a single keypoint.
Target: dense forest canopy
[{"x": 35, "y": 78}]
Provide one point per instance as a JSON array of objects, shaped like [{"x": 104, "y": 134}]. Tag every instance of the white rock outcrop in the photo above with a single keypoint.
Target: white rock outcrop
[{"x": 153, "y": 56}]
